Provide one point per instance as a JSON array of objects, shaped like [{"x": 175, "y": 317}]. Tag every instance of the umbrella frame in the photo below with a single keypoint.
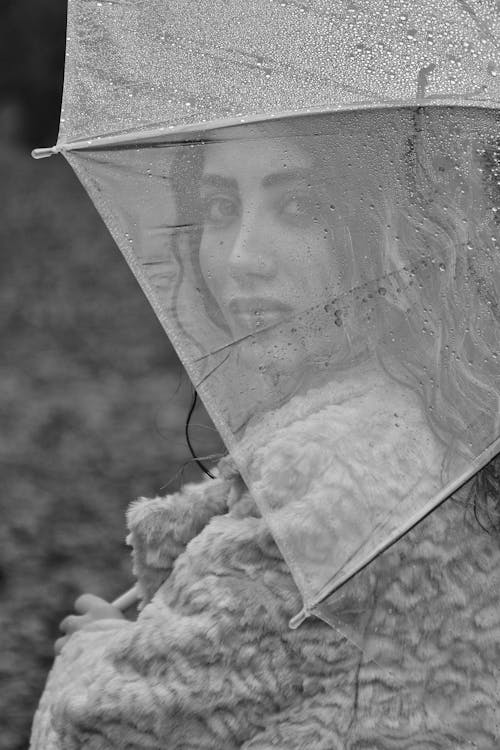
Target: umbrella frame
[{"x": 175, "y": 134}]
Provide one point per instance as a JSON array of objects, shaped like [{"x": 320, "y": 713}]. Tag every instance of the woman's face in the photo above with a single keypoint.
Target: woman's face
[{"x": 266, "y": 253}]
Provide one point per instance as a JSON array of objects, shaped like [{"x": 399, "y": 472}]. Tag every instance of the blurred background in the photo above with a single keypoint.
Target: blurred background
[{"x": 93, "y": 400}]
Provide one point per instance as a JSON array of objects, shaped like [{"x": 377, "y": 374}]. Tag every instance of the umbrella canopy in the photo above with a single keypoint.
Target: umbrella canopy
[
  {"x": 134, "y": 65},
  {"x": 308, "y": 194}
]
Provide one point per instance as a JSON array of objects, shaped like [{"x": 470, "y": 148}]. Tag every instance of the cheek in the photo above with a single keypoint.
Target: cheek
[
  {"x": 309, "y": 259},
  {"x": 212, "y": 258}
]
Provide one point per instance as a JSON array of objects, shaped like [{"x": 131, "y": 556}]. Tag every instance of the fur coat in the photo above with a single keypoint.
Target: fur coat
[{"x": 211, "y": 662}]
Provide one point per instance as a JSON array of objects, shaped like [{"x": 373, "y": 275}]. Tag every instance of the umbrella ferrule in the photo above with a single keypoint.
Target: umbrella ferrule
[{"x": 43, "y": 153}]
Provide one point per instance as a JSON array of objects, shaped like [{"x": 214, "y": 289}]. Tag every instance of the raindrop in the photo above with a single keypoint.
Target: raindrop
[{"x": 492, "y": 69}]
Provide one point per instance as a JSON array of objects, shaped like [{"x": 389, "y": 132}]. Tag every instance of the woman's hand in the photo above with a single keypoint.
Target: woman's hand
[{"x": 90, "y": 608}]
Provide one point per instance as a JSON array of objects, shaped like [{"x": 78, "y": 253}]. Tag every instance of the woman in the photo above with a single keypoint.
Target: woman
[{"x": 210, "y": 661}]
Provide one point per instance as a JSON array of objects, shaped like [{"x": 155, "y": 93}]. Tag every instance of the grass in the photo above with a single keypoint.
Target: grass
[{"x": 92, "y": 408}]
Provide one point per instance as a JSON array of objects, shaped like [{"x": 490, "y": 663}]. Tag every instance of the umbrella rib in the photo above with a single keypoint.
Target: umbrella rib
[
  {"x": 324, "y": 304},
  {"x": 480, "y": 25},
  {"x": 205, "y": 377}
]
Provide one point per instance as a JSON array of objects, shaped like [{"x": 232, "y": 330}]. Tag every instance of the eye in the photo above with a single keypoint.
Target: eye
[
  {"x": 300, "y": 208},
  {"x": 219, "y": 210}
]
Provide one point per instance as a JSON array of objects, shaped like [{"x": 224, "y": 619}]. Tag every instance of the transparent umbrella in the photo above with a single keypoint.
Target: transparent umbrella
[{"x": 308, "y": 194}]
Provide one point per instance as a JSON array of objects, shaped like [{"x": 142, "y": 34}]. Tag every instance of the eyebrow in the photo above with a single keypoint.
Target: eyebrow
[
  {"x": 274, "y": 179},
  {"x": 218, "y": 181},
  {"x": 288, "y": 175}
]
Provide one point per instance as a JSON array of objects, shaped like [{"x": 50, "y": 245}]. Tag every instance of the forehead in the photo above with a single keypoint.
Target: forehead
[{"x": 254, "y": 159}]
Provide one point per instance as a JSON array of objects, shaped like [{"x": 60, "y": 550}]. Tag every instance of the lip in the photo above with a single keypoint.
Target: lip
[
  {"x": 256, "y": 305},
  {"x": 254, "y": 312}
]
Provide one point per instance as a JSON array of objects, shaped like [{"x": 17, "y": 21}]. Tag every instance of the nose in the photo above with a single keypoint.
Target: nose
[{"x": 252, "y": 254}]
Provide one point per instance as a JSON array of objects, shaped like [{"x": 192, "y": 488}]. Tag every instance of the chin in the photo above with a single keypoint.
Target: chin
[{"x": 280, "y": 368}]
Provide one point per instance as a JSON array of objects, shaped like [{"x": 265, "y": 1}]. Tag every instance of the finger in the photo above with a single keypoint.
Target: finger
[
  {"x": 89, "y": 602},
  {"x": 127, "y": 599},
  {"x": 97, "y": 608},
  {"x": 72, "y": 623}
]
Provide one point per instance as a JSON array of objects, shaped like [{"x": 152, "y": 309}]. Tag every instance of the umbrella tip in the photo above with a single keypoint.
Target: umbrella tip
[{"x": 43, "y": 153}]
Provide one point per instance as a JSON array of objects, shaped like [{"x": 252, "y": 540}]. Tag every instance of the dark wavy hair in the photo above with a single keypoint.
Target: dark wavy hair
[{"x": 428, "y": 219}]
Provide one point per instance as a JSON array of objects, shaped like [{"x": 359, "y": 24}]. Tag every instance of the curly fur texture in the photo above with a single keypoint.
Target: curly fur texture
[
  {"x": 209, "y": 656},
  {"x": 210, "y": 662}
]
